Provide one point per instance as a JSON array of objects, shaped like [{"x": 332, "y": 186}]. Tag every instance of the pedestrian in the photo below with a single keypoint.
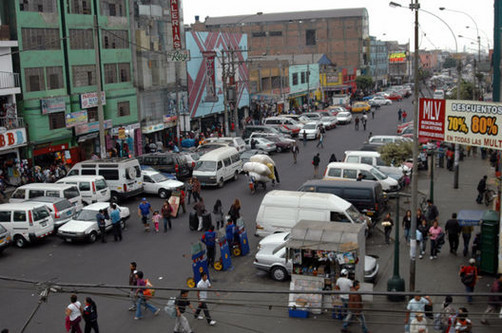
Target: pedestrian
[
  {"x": 182, "y": 200},
  {"x": 182, "y": 302},
  {"x": 235, "y": 211},
  {"x": 423, "y": 227},
  {"x": 432, "y": 211},
  {"x": 405, "y": 114},
  {"x": 90, "y": 316},
  {"x": 218, "y": 214},
  {"x": 200, "y": 208},
  {"x": 447, "y": 314},
  {"x": 453, "y": 229},
  {"x": 116, "y": 223},
  {"x": 399, "y": 114},
  {"x": 462, "y": 323},
  {"x": 466, "y": 236},
  {"x": 209, "y": 238},
  {"x": 419, "y": 324},
  {"x": 321, "y": 138},
  {"x": 332, "y": 158},
  {"x": 360, "y": 177},
  {"x": 230, "y": 232},
  {"x": 132, "y": 282},
  {"x": 144, "y": 210},
  {"x": 202, "y": 297},
  {"x": 481, "y": 189},
  {"x": 141, "y": 298},
  {"x": 364, "y": 121},
  {"x": 494, "y": 301},
  {"x": 189, "y": 188},
  {"x": 355, "y": 309},
  {"x": 407, "y": 225},
  {"x": 387, "y": 227},
  {"x": 100, "y": 219},
  {"x": 74, "y": 313},
  {"x": 156, "y": 220},
  {"x": 196, "y": 187},
  {"x": 415, "y": 305},
  {"x": 343, "y": 284},
  {"x": 304, "y": 138},
  {"x": 434, "y": 234},
  {"x": 449, "y": 159},
  {"x": 356, "y": 123},
  {"x": 294, "y": 151},
  {"x": 315, "y": 161},
  {"x": 166, "y": 211},
  {"x": 372, "y": 113},
  {"x": 469, "y": 276}
]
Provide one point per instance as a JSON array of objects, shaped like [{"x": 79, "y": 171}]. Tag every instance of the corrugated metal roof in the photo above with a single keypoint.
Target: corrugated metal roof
[
  {"x": 288, "y": 16},
  {"x": 295, "y": 59}
]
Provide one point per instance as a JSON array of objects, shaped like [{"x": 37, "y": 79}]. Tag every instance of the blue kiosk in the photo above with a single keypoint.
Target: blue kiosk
[
  {"x": 199, "y": 265},
  {"x": 225, "y": 261}
]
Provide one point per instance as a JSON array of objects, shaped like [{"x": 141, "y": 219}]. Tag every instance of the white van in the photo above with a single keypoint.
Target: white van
[
  {"x": 438, "y": 94},
  {"x": 373, "y": 158},
  {"x": 237, "y": 142},
  {"x": 123, "y": 175},
  {"x": 34, "y": 190},
  {"x": 92, "y": 188},
  {"x": 350, "y": 171},
  {"x": 217, "y": 166},
  {"x": 26, "y": 221},
  {"x": 282, "y": 210}
]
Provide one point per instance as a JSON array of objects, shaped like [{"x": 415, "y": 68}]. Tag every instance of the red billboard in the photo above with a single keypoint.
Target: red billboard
[
  {"x": 431, "y": 118},
  {"x": 175, "y": 24}
]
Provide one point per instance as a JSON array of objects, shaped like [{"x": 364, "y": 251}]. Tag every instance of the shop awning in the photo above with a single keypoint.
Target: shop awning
[{"x": 325, "y": 236}]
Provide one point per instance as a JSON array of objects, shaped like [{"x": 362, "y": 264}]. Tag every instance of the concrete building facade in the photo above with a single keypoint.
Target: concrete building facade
[{"x": 379, "y": 61}]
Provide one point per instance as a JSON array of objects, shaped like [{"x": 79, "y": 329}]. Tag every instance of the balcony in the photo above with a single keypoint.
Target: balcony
[
  {"x": 10, "y": 123},
  {"x": 9, "y": 80}
]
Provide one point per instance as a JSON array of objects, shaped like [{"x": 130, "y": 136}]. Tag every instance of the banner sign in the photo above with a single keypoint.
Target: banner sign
[
  {"x": 464, "y": 122},
  {"x": 397, "y": 57},
  {"x": 92, "y": 127},
  {"x": 50, "y": 105},
  {"x": 209, "y": 57},
  {"x": 76, "y": 118},
  {"x": 90, "y": 100},
  {"x": 175, "y": 24},
  {"x": 13, "y": 138}
]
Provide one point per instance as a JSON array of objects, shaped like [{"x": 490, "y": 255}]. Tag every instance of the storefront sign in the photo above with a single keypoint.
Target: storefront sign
[
  {"x": 465, "y": 122},
  {"x": 129, "y": 129},
  {"x": 50, "y": 105},
  {"x": 175, "y": 24},
  {"x": 397, "y": 57},
  {"x": 49, "y": 149},
  {"x": 13, "y": 138},
  {"x": 122, "y": 133},
  {"x": 179, "y": 55},
  {"x": 76, "y": 118},
  {"x": 152, "y": 128},
  {"x": 90, "y": 100},
  {"x": 209, "y": 57},
  {"x": 92, "y": 127},
  {"x": 170, "y": 119}
]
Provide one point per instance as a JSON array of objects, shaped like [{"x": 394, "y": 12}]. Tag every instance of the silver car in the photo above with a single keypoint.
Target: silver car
[{"x": 61, "y": 209}]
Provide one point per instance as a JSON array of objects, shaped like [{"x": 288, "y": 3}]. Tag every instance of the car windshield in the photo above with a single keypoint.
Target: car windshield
[
  {"x": 205, "y": 166},
  {"x": 158, "y": 177},
  {"x": 87, "y": 215},
  {"x": 378, "y": 174},
  {"x": 355, "y": 215},
  {"x": 343, "y": 114},
  {"x": 309, "y": 126}
]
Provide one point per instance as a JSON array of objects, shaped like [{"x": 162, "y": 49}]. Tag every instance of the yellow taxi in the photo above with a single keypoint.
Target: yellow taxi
[{"x": 361, "y": 107}]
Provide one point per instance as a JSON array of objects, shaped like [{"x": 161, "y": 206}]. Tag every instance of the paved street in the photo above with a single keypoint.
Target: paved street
[{"x": 165, "y": 257}]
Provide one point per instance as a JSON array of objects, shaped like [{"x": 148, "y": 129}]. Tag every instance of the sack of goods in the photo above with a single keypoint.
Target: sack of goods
[
  {"x": 386, "y": 223},
  {"x": 260, "y": 167},
  {"x": 170, "y": 307}
]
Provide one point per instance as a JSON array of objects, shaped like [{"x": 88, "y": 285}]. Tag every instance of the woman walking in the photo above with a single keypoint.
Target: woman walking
[
  {"x": 387, "y": 227},
  {"x": 166, "y": 214},
  {"x": 407, "y": 225},
  {"x": 234, "y": 211},
  {"x": 434, "y": 232},
  {"x": 218, "y": 214},
  {"x": 74, "y": 313},
  {"x": 90, "y": 316}
]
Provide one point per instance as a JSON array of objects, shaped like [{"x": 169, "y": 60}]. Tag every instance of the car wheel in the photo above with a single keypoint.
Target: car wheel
[
  {"x": 279, "y": 149},
  {"x": 20, "y": 241},
  {"x": 163, "y": 194},
  {"x": 92, "y": 237},
  {"x": 236, "y": 175},
  {"x": 279, "y": 273},
  {"x": 122, "y": 224},
  {"x": 220, "y": 183},
  {"x": 114, "y": 197}
]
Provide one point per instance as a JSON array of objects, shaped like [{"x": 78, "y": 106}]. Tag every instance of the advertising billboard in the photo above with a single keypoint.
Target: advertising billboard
[{"x": 397, "y": 57}]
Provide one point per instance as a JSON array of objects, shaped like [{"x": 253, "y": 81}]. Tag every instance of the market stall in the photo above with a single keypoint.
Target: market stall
[{"x": 319, "y": 251}]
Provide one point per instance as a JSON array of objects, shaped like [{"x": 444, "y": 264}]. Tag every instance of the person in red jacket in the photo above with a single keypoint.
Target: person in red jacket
[{"x": 469, "y": 277}]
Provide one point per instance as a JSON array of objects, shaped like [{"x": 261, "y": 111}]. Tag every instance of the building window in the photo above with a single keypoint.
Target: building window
[
  {"x": 295, "y": 79},
  {"x": 42, "y": 6},
  {"x": 84, "y": 75},
  {"x": 123, "y": 109},
  {"x": 113, "y": 8},
  {"x": 259, "y": 34},
  {"x": 57, "y": 120},
  {"x": 54, "y": 77},
  {"x": 115, "y": 39},
  {"x": 303, "y": 77},
  {"x": 35, "y": 80},
  {"x": 81, "y": 39},
  {"x": 310, "y": 37},
  {"x": 125, "y": 72},
  {"x": 40, "y": 39},
  {"x": 275, "y": 33},
  {"x": 80, "y": 7},
  {"x": 110, "y": 73},
  {"x": 92, "y": 114}
]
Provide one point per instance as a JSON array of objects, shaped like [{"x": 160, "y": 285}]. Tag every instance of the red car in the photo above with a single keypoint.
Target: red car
[
  {"x": 395, "y": 97},
  {"x": 401, "y": 127},
  {"x": 408, "y": 133}
]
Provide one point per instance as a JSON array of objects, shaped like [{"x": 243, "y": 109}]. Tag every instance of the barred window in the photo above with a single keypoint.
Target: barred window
[
  {"x": 81, "y": 39},
  {"x": 54, "y": 77},
  {"x": 123, "y": 109},
  {"x": 275, "y": 33},
  {"x": 35, "y": 80},
  {"x": 110, "y": 73},
  {"x": 310, "y": 38},
  {"x": 113, "y": 8},
  {"x": 92, "y": 114},
  {"x": 42, "y": 6},
  {"x": 259, "y": 34},
  {"x": 79, "y": 7},
  {"x": 125, "y": 72},
  {"x": 84, "y": 75},
  {"x": 57, "y": 120},
  {"x": 115, "y": 39},
  {"x": 41, "y": 39}
]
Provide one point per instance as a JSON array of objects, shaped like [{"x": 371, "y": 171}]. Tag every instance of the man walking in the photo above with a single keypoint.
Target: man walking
[
  {"x": 364, "y": 120},
  {"x": 356, "y": 123},
  {"x": 200, "y": 208},
  {"x": 466, "y": 236},
  {"x": 132, "y": 282},
  {"x": 469, "y": 276},
  {"x": 294, "y": 151},
  {"x": 344, "y": 284},
  {"x": 481, "y": 189},
  {"x": 209, "y": 238},
  {"x": 494, "y": 301},
  {"x": 181, "y": 324},
  {"x": 321, "y": 138},
  {"x": 405, "y": 114},
  {"x": 415, "y": 305},
  {"x": 202, "y": 297},
  {"x": 141, "y": 299},
  {"x": 355, "y": 309},
  {"x": 196, "y": 189},
  {"x": 144, "y": 210},
  {"x": 452, "y": 229},
  {"x": 116, "y": 225},
  {"x": 100, "y": 219},
  {"x": 432, "y": 212},
  {"x": 399, "y": 114},
  {"x": 315, "y": 161},
  {"x": 304, "y": 138}
]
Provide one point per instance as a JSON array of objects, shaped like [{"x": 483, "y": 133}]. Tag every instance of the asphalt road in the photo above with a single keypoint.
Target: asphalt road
[{"x": 165, "y": 257}]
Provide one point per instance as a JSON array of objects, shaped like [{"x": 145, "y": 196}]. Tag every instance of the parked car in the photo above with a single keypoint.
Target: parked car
[
  {"x": 285, "y": 125},
  {"x": 329, "y": 122},
  {"x": 262, "y": 144},
  {"x": 379, "y": 100},
  {"x": 394, "y": 96},
  {"x": 246, "y": 155},
  {"x": 271, "y": 257},
  {"x": 344, "y": 117},
  {"x": 402, "y": 126},
  {"x": 5, "y": 238},
  {"x": 236, "y": 142},
  {"x": 335, "y": 109},
  {"x": 259, "y": 128},
  {"x": 61, "y": 209},
  {"x": 156, "y": 183},
  {"x": 312, "y": 130},
  {"x": 384, "y": 139},
  {"x": 313, "y": 116},
  {"x": 83, "y": 227},
  {"x": 361, "y": 107},
  {"x": 281, "y": 143},
  {"x": 167, "y": 162}
]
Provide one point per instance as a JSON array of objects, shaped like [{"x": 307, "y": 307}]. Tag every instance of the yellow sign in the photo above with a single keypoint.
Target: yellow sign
[{"x": 397, "y": 57}]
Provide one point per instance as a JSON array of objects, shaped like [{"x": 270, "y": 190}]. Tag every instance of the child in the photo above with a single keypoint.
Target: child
[{"x": 156, "y": 220}]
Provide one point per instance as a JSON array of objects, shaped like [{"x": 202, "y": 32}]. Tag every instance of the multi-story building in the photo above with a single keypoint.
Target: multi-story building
[
  {"x": 400, "y": 62},
  {"x": 161, "y": 82},
  {"x": 341, "y": 34},
  {"x": 379, "y": 61},
  {"x": 57, "y": 65}
]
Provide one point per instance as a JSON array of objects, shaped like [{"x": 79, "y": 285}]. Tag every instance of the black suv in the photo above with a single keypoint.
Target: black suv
[{"x": 167, "y": 162}]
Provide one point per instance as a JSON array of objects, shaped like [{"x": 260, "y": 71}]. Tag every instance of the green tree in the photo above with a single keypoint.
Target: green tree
[
  {"x": 364, "y": 82},
  {"x": 396, "y": 153},
  {"x": 449, "y": 63},
  {"x": 467, "y": 91}
]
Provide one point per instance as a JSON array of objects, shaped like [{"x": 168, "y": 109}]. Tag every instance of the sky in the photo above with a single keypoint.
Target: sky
[{"x": 386, "y": 23}]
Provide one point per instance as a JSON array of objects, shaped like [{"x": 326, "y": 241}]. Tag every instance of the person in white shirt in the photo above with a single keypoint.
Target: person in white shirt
[
  {"x": 74, "y": 312},
  {"x": 344, "y": 284},
  {"x": 202, "y": 297},
  {"x": 419, "y": 324}
]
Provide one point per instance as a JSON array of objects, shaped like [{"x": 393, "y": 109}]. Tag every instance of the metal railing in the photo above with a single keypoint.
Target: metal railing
[{"x": 9, "y": 80}]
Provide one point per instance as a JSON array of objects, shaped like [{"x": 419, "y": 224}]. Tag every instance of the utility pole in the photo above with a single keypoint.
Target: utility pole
[
  {"x": 101, "y": 117},
  {"x": 457, "y": 148},
  {"x": 233, "y": 96},
  {"x": 225, "y": 101},
  {"x": 178, "y": 122}
]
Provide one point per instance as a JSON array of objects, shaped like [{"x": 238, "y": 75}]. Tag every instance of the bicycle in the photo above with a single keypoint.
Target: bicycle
[{"x": 488, "y": 196}]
